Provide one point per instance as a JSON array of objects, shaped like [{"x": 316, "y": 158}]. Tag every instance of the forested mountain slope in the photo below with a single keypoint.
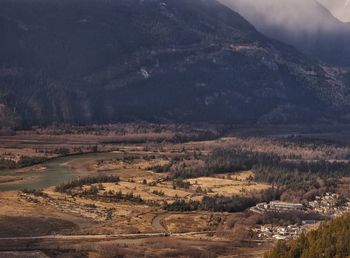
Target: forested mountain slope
[{"x": 104, "y": 61}]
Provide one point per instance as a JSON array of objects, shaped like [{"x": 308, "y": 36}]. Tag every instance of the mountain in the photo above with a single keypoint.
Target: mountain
[
  {"x": 105, "y": 61},
  {"x": 339, "y": 8},
  {"x": 305, "y": 24}
]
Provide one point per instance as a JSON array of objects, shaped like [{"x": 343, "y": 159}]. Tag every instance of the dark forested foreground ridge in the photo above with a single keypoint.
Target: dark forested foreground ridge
[
  {"x": 331, "y": 239},
  {"x": 92, "y": 61}
]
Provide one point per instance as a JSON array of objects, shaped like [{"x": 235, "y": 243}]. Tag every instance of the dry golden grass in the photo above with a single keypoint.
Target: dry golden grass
[
  {"x": 146, "y": 192},
  {"x": 180, "y": 223},
  {"x": 128, "y": 217},
  {"x": 228, "y": 184}
]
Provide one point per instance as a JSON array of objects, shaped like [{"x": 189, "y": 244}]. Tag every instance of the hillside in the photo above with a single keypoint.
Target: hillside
[
  {"x": 94, "y": 61},
  {"x": 331, "y": 239},
  {"x": 306, "y": 24}
]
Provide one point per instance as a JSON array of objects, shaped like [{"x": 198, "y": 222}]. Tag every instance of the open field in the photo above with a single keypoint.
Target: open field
[{"x": 228, "y": 184}]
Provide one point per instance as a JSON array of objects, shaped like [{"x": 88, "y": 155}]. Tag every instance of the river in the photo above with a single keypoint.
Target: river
[{"x": 56, "y": 172}]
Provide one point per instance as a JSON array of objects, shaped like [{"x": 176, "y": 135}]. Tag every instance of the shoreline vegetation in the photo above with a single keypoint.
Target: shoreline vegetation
[
  {"x": 102, "y": 136},
  {"x": 27, "y": 161}
]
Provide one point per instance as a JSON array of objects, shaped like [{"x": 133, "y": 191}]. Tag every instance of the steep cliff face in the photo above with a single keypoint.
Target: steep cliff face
[{"x": 93, "y": 61}]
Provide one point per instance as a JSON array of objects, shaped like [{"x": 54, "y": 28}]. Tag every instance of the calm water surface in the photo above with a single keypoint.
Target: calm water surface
[{"x": 56, "y": 172}]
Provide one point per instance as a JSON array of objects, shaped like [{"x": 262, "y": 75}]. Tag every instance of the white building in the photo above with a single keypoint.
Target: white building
[{"x": 285, "y": 206}]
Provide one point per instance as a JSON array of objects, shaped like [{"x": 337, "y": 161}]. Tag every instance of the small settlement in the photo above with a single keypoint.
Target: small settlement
[{"x": 327, "y": 206}]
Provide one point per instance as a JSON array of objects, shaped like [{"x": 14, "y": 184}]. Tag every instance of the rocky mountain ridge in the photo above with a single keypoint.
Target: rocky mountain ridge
[{"x": 106, "y": 61}]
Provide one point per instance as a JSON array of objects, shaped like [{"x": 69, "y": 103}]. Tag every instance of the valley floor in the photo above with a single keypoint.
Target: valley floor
[{"x": 142, "y": 198}]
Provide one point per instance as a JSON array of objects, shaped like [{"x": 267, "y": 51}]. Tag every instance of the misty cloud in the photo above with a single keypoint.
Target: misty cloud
[
  {"x": 294, "y": 16},
  {"x": 306, "y": 24},
  {"x": 339, "y": 8}
]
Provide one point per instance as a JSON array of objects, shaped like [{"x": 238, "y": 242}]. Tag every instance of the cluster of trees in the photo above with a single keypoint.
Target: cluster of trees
[
  {"x": 62, "y": 151},
  {"x": 24, "y": 161},
  {"x": 223, "y": 160},
  {"x": 331, "y": 239},
  {"x": 289, "y": 217},
  {"x": 268, "y": 167},
  {"x": 302, "y": 175},
  {"x": 112, "y": 196},
  {"x": 7, "y": 164},
  {"x": 182, "y": 205},
  {"x": 194, "y": 136},
  {"x": 64, "y": 187},
  {"x": 291, "y": 179},
  {"x": 228, "y": 204},
  {"x": 319, "y": 167},
  {"x": 159, "y": 193},
  {"x": 180, "y": 183},
  {"x": 161, "y": 168},
  {"x": 219, "y": 203},
  {"x": 35, "y": 192}
]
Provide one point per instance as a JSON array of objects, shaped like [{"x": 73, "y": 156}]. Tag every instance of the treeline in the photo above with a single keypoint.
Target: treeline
[
  {"x": 285, "y": 218},
  {"x": 198, "y": 135},
  {"x": 119, "y": 196},
  {"x": 302, "y": 175},
  {"x": 224, "y": 160},
  {"x": 319, "y": 167},
  {"x": 7, "y": 164},
  {"x": 93, "y": 191},
  {"x": 160, "y": 168},
  {"x": 24, "y": 161},
  {"x": 227, "y": 160},
  {"x": 331, "y": 239},
  {"x": 111, "y": 196},
  {"x": 219, "y": 203},
  {"x": 291, "y": 179},
  {"x": 179, "y": 183},
  {"x": 35, "y": 192},
  {"x": 64, "y": 187},
  {"x": 268, "y": 167}
]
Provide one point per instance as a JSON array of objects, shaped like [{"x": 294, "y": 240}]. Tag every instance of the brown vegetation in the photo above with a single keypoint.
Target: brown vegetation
[{"x": 127, "y": 189}]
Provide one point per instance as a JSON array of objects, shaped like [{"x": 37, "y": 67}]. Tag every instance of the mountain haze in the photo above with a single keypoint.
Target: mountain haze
[
  {"x": 305, "y": 24},
  {"x": 105, "y": 61},
  {"x": 339, "y": 8}
]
